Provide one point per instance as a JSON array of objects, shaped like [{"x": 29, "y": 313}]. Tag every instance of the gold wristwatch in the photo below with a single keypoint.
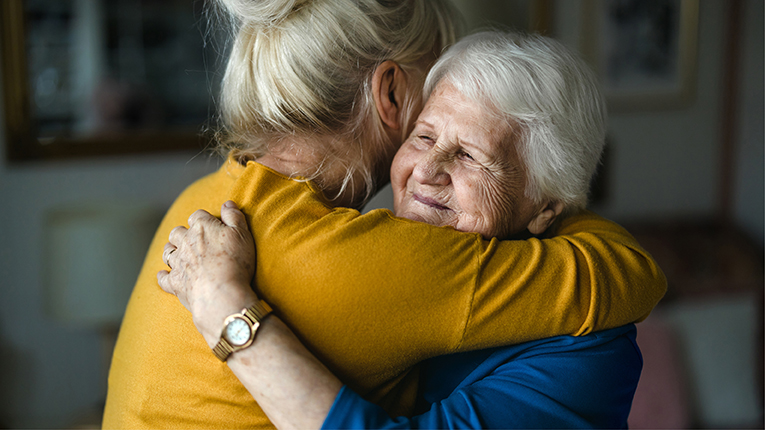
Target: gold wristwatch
[{"x": 239, "y": 330}]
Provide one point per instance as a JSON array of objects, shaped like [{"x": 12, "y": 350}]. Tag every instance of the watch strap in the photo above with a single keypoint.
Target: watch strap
[
  {"x": 257, "y": 312},
  {"x": 223, "y": 349}
]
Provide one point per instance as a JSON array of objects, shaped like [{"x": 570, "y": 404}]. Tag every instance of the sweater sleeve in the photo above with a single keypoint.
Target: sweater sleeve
[
  {"x": 586, "y": 383},
  {"x": 423, "y": 291}
]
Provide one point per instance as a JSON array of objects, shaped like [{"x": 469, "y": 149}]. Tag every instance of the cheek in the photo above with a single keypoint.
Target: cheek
[
  {"x": 494, "y": 203},
  {"x": 401, "y": 170},
  {"x": 403, "y": 163}
]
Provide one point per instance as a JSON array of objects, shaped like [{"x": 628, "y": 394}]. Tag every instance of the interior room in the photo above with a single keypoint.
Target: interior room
[{"x": 107, "y": 114}]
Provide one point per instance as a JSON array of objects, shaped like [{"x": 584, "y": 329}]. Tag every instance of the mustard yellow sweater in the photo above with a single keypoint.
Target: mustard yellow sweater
[{"x": 371, "y": 295}]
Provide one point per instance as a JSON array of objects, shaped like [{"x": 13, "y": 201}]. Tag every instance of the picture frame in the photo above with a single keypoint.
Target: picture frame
[
  {"x": 43, "y": 43},
  {"x": 644, "y": 53}
]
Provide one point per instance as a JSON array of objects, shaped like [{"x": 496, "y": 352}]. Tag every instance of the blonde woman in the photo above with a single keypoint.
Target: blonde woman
[{"x": 327, "y": 91}]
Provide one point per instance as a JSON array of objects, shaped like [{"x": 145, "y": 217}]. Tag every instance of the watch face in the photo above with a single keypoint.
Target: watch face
[{"x": 238, "y": 332}]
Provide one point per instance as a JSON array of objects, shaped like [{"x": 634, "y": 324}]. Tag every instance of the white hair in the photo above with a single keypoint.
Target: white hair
[
  {"x": 304, "y": 68},
  {"x": 548, "y": 93}
]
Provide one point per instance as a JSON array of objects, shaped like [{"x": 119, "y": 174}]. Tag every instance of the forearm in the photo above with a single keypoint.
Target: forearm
[
  {"x": 211, "y": 278},
  {"x": 291, "y": 386}
]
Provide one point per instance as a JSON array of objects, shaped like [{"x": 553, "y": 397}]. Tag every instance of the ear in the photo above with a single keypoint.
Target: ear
[
  {"x": 388, "y": 91},
  {"x": 544, "y": 219}
]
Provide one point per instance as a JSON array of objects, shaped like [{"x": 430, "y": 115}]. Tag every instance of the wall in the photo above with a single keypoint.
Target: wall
[
  {"x": 666, "y": 163},
  {"x": 749, "y": 195}
]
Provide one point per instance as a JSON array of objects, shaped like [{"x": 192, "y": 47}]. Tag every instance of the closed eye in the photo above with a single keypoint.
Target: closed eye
[
  {"x": 426, "y": 139},
  {"x": 465, "y": 156}
]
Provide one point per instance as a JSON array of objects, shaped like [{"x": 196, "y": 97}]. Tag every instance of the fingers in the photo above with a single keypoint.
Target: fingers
[
  {"x": 232, "y": 216},
  {"x": 163, "y": 279},
  {"x": 201, "y": 216},
  {"x": 177, "y": 234},
  {"x": 167, "y": 253}
]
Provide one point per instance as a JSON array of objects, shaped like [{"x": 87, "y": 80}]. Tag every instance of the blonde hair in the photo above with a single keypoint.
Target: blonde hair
[
  {"x": 304, "y": 67},
  {"x": 549, "y": 93}
]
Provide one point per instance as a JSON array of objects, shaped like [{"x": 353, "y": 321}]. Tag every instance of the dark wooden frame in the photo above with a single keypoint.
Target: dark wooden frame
[
  {"x": 23, "y": 145},
  {"x": 650, "y": 98}
]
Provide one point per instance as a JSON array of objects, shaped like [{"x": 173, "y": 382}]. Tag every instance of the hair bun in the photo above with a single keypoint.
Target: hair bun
[{"x": 262, "y": 12}]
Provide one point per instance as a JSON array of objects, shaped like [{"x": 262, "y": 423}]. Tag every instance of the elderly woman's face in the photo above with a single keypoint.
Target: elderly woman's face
[{"x": 460, "y": 168}]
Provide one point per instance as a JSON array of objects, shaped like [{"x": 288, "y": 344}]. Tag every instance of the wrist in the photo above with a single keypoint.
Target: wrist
[
  {"x": 240, "y": 329},
  {"x": 272, "y": 331},
  {"x": 209, "y": 319}
]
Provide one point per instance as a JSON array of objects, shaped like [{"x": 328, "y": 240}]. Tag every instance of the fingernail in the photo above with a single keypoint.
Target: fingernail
[{"x": 229, "y": 204}]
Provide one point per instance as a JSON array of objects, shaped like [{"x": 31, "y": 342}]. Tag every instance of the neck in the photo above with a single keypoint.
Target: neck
[
  {"x": 292, "y": 157},
  {"x": 296, "y": 157},
  {"x": 287, "y": 166}
]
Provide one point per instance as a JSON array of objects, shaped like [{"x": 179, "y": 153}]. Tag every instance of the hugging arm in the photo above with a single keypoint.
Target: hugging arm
[
  {"x": 212, "y": 268},
  {"x": 591, "y": 275}
]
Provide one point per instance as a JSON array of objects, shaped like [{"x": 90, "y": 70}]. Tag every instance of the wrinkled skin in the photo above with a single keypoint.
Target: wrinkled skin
[
  {"x": 460, "y": 168},
  {"x": 209, "y": 261}
]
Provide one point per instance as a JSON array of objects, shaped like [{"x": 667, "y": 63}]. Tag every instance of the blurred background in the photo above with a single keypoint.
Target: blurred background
[{"x": 105, "y": 113}]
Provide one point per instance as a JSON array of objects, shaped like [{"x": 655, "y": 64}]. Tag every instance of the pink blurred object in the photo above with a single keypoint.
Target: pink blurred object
[{"x": 661, "y": 400}]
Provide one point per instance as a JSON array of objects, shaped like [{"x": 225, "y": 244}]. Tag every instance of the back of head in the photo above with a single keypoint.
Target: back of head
[
  {"x": 304, "y": 68},
  {"x": 548, "y": 94}
]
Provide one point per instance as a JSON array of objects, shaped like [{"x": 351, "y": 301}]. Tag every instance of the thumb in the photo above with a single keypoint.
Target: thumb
[
  {"x": 163, "y": 279},
  {"x": 232, "y": 216}
]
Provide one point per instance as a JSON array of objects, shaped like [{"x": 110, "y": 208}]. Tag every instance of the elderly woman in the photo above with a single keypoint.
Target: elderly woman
[
  {"x": 478, "y": 161},
  {"x": 302, "y": 104}
]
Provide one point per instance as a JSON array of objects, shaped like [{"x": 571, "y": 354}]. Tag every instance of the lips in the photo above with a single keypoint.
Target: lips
[{"x": 430, "y": 202}]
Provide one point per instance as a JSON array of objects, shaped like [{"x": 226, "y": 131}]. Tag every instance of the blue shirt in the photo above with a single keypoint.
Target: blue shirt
[{"x": 560, "y": 382}]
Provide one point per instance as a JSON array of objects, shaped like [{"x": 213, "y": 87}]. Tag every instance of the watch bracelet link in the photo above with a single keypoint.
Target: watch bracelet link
[
  {"x": 222, "y": 350},
  {"x": 254, "y": 314}
]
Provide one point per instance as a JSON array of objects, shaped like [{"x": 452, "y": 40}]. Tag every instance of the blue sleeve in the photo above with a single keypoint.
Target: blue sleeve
[{"x": 549, "y": 386}]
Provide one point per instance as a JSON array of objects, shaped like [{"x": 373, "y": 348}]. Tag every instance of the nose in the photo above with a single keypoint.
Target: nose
[{"x": 431, "y": 169}]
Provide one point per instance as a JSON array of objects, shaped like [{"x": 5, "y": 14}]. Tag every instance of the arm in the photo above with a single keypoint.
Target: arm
[
  {"x": 427, "y": 290},
  {"x": 212, "y": 268}
]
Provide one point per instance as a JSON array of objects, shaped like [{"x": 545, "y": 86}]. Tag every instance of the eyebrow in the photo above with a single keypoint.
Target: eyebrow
[{"x": 423, "y": 122}]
